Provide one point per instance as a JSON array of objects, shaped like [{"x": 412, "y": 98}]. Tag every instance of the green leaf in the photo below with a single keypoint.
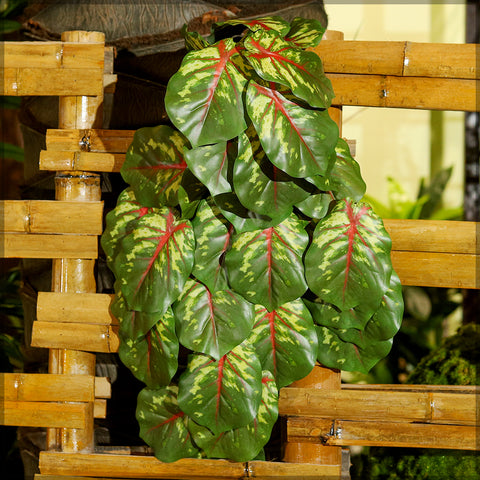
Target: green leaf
[
  {"x": 13, "y": 152},
  {"x": 155, "y": 260},
  {"x": 298, "y": 141},
  {"x": 305, "y": 33},
  {"x": 204, "y": 98},
  {"x": 222, "y": 394},
  {"x": 212, "y": 235},
  {"x": 212, "y": 323},
  {"x": 274, "y": 23},
  {"x": 154, "y": 165},
  {"x": 260, "y": 185},
  {"x": 9, "y": 26},
  {"x": 265, "y": 266},
  {"x": 163, "y": 426},
  {"x": 7, "y": 101},
  {"x": 316, "y": 205},
  {"x": 120, "y": 222},
  {"x": 244, "y": 443},
  {"x": 349, "y": 255},
  {"x": 152, "y": 358},
  {"x": 193, "y": 40},
  {"x": 277, "y": 60},
  {"x": 285, "y": 341}
]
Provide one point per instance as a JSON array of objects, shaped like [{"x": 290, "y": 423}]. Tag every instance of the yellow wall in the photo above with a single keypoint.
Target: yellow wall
[{"x": 403, "y": 143}]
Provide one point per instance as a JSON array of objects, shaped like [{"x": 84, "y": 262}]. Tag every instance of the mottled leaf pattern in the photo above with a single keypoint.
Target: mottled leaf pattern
[
  {"x": 155, "y": 261},
  {"x": 277, "y": 60},
  {"x": 274, "y": 23},
  {"x": 163, "y": 426},
  {"x": 307, "y": 144},
  {"x": 285, "y": 341},
  {"x": 243, "y": 443},
  {"x": 212, "y": 322},
  {"x": 154, "y": 165},
  {"x": 204, "y": 98},
  {"x": 305, "y": 33},
  {"x": 266, "y": 266},
  {"x": 349, "y": 255},
  {"x": 315, "y": 206},
  {"x": 222, "y": 394}
]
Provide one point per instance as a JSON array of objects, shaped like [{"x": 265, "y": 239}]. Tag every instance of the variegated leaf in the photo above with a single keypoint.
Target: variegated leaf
[
  {"x": 244, "y": 443},
  {"x": 265, "y": 266},
  {"x": 275, "y": 23},
  {"x": 193, "y": 40},
  {"x": 163, "y": 426},
  {"x": 305, "y": 32},
  {"x": 260, "y": 185},
  {"x": 285, "y": 341},
  {"x": 277, "y": 60},
  {"x": 119, "y": 222},
  {"x": 299, "y": 141},
  {"x": 222, "y": 394},
  {"x": 152, "y": 358},
  {"x": 212, "y": 235},
  {"x": 316, "y": 205},
  {"x": 204, "y": 98},
  {"x": 349, "y": 255},
  {"x": 212, "y": 323},
  {"x": 211, "y": 165},
  {"x": 154, "y": 165},
  {"x": 345, "y": 179},
  {"x": 155, "y": 261}
]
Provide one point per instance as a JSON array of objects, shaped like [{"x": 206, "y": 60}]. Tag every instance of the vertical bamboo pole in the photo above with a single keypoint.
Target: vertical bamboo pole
[
  {"x": 320, "y": 377},
  {"x": 76, "y": 275}
]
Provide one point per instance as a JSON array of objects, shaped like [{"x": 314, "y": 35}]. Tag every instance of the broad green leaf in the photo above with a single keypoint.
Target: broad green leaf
[
  {"x": 298, "y": 141},
  {"x": 211, "y": 164},
  {"x": 345, "y": 179},
  {"x": 163, "y": 425},
  {"x": 222, "y": 394},
  {"x": 277, "y": 60},
  {"x": 265, "y": 266},
  {"x": 244, "y": 443},
  {"x": 155, "y": 260},
  {"x": 305, "y": 33},
  {"x": 315, "y": 206},
  {"x": 285, "y": 341},
  {"x": 277, "y": 24},
  {"x": 349, "y": 255},
  {"x": 154, "y": 165},
  {"x": 260, "y": 185},
  {"x": 120, "y": 221},
  {"x": 153, "y": 358},
  {"x": 212, "y": 323},
  {"x": 212, "y": 236},
  {"x": 187, "y": 206},
  {"x": 204, "y": 98},
  {"x": 193, "y": 40}
]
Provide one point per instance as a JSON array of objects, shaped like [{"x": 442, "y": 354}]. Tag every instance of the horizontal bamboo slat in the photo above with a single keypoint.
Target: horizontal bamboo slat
[
  {"x": 44, "y": 216},
  {"x": 404, "y": 92},
  {"x": 75, "y": 336},
  {"x": 32, "y": 245},
  {"x": 400, "y": 58},
  {"x": 386, "y": 434},
  {"x": 89, "y": 140},
  {"x": 467, "y": 389},
  {"x": 293, "y": 471},
  {"x": 81, "y": 161},
  {"x": 393, "y": 406}
]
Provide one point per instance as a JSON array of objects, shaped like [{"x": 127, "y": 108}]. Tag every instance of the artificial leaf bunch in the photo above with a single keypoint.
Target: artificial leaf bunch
[{"x": 241, "y": 250}]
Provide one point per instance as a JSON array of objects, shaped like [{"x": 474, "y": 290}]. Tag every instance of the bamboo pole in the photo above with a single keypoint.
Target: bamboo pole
[
  {"x": 73, "y": 161},
  {"x": 76, "y": 275}
]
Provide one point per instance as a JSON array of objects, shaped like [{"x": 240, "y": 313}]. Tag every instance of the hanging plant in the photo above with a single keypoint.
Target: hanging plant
[{"x": 242, "y": 240}]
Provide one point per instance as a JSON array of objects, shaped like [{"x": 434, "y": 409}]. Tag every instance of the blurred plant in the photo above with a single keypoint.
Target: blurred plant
[
  {"x": 8, "y": 9},
  {"x": 430, "y": 313}
]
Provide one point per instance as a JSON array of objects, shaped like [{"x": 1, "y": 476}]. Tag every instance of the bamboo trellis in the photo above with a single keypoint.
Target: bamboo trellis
[{"x": 73, "y": 321}]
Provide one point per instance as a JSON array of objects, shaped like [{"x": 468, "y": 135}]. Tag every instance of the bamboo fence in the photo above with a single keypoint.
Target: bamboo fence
[{"x": 74, "y": 322}]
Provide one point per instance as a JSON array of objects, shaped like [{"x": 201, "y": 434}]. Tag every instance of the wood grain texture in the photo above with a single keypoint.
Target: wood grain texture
[
  {"x": 44, "y": 216},
  {"x": 271, "y": 470},
  {"x": 81, "y": 161}
]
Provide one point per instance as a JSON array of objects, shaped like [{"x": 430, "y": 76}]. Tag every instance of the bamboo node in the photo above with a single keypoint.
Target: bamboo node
[{"x": 84, "y": 142}]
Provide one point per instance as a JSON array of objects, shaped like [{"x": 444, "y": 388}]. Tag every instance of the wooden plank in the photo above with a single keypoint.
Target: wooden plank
[
  {"x": 386, "y": 434},
  {"x": 22, "y": 245},
  {"x": 100, "y": 408},
  {"x": 424, "y": 407},
  {"x": 434, "y": 236},
  {"x": 69, "y": 307},
  {"x": 89, "y": 140},
  {"x": 75, "y": 336},
  {"x": 103, "y": 387},
  {"x": 44, "y": 216},
  {"x": 130, "y": 466},
  {"x": 437, "y": 269},
  {"x": 399, "y": 58},
  {"x": 466, "y": 389},
  {"x": 271, "y": 470},
  {"x": 43, "y": 414},
  {"x": 81, "y": 161},
  {"x": 48, "y": 55},
  {"x": 39, "y": 387},
  {"x": 404, "y": 92}
]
